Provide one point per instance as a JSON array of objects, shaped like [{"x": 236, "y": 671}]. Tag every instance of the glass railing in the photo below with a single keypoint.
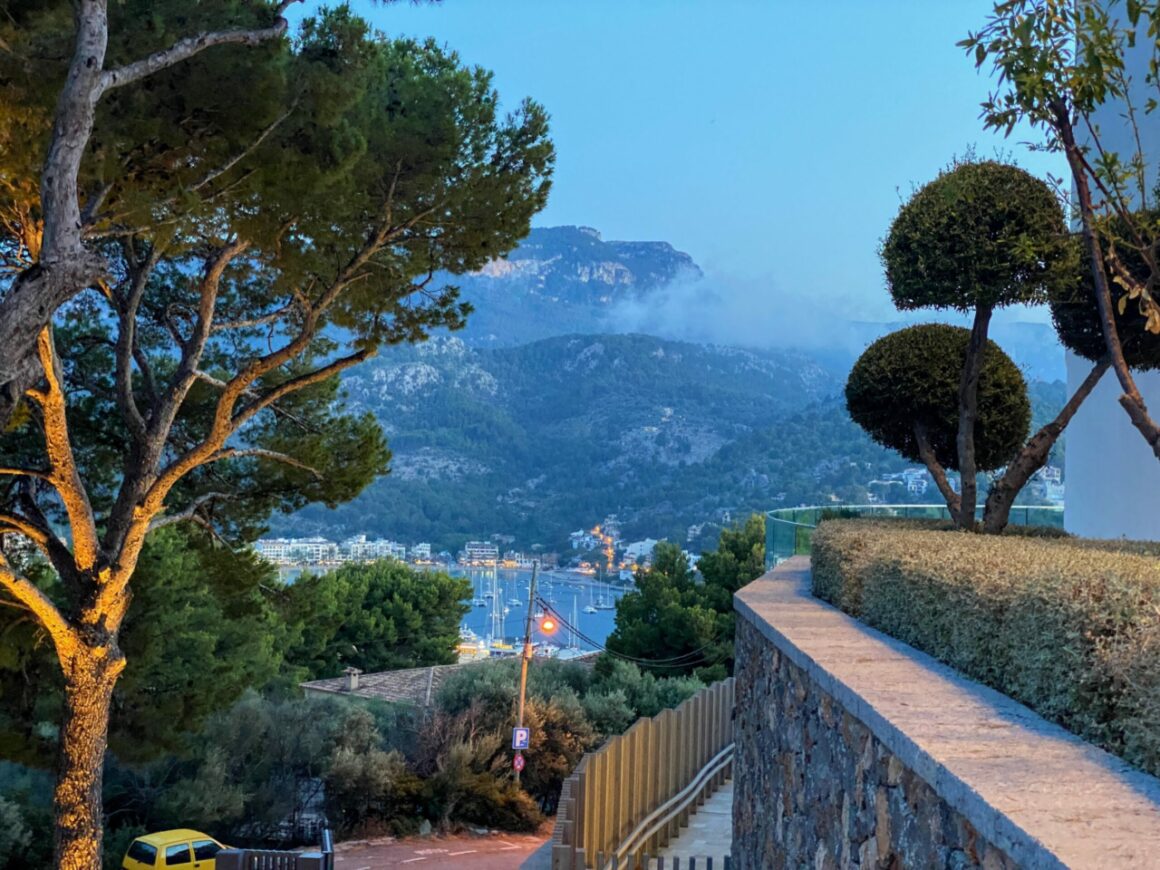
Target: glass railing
[{"x": 788, "y": 530}]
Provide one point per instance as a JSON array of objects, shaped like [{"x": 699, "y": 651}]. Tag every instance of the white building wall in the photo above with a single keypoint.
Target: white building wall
[{"x": 1112, "y": 478}]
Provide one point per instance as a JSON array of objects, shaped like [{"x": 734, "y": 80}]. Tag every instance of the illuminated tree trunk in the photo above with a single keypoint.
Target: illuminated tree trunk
[{"x": 90, "y": 674}]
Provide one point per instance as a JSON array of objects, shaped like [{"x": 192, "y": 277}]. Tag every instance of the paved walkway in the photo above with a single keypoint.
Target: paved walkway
[
  {"x": 709, "y": 835},
  {"x": 494, "y": 852}
]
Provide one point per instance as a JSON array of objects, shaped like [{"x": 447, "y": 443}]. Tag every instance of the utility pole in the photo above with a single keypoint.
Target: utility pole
[{"x": 526, "y": 657}]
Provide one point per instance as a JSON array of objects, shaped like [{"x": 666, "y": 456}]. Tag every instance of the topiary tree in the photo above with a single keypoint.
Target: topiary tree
[
  {"x": 904, "y": 391},
  {"x": 981, "y": 236}
]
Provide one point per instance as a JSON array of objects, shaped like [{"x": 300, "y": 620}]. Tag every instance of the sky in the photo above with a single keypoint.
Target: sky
[{"x": 773, "y": 141}]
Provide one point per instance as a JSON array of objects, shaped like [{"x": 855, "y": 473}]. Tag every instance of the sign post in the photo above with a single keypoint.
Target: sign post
[{"x": 525, "y": 657}]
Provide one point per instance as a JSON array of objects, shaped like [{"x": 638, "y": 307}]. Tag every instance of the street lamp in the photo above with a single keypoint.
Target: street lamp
[{"x": 548, "y": 626}]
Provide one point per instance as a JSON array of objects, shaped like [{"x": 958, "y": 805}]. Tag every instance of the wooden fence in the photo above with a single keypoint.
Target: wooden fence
[{"x": 631, "y": 796}]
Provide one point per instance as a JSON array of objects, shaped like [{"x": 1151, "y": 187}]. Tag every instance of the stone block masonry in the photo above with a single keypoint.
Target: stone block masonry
[{"x": 855, "y": 751}]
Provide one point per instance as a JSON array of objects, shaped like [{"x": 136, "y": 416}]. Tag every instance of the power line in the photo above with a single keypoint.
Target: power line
[{"x": 676, "y": 661}]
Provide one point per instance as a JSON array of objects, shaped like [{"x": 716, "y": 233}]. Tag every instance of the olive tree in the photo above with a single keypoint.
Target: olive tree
[
  {"x": 904, "y": 391},
  {"x": 235, "y": 264},
  {"x": 1077, "y": 319},
  {"x": 1057, "y": 63},
  {"x": 981, "y": 236},
  {"x": 1075, "y": 313}
]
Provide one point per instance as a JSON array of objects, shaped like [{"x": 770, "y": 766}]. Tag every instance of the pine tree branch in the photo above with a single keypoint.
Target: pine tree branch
[
  {"x": 190, "y": 512},
  {"x": 186, "y": 48},
  {"x": 245, "y": 152},
  {"x": 258, "y": 452},
  {"x": 65, "y": 476},
  {"x": 38, "y": 604}
]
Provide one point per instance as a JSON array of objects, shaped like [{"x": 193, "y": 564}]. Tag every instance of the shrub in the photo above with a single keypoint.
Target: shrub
[
  {"x": 1070, "y": 628},
  {"x": 982, "y": 234},
  {"x": 15, "y": 835},
  {"x": 911, "y": 377}
]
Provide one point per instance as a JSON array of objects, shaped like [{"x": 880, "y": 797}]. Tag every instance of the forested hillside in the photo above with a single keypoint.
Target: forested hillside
[
  {"x": 541, "y": 439},
  {"x": 534, "y": 421}
]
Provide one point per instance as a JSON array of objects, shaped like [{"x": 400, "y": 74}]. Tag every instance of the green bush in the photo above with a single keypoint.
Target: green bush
[
  {"x": 15, "y": 835},
  {"x": 911, "y": 378},
  {"x": 1069, "y": 627}
]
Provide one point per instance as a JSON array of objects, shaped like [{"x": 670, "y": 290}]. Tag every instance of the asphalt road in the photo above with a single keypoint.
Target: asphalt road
[{"x": 490, "y": 852}]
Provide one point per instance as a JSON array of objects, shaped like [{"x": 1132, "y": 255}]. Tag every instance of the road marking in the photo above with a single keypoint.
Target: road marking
[
  {"x": 464, "y": 852},
  {"x": 506, "y": 845},
  {"x": 412, "y": 860}
]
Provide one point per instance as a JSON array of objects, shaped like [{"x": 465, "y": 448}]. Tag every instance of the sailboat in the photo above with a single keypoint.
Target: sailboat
[
  {"x": 588, "y": 608},
  {"x": 602, "y": 603}
]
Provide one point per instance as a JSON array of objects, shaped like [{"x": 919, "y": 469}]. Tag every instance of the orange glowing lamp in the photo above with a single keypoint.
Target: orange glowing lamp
[{"x": 548, "y": 625}]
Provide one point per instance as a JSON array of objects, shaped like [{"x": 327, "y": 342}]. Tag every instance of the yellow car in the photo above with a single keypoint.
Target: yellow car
[{"x": 191, "y": 850}]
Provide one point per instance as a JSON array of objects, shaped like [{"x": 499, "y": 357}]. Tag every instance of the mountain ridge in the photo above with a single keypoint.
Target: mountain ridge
[{"x": 555, "y": 420}]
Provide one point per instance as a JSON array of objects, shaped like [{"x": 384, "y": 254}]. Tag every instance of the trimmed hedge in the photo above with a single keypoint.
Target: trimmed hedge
[{"x": 1069, "y": 627}]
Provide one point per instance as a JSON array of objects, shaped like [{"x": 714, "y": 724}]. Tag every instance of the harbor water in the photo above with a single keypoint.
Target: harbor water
[{"x": 500, "y": 606}]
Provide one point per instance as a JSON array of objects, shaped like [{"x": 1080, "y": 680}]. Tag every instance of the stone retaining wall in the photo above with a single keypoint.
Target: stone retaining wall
[
  {"x": 815, "y": 788},
  {"x": 856, "y": 751}
]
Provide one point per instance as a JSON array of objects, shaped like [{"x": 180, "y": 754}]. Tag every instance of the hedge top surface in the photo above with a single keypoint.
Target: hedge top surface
[
  {"x": 981, "y": 234},
  {"x": 912, "y": 376},
  {"x": 1070, "y": 627}
]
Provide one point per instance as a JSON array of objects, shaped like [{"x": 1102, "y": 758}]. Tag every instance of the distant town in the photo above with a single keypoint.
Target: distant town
[
  {"x": 1046, "y": 485},
  {"x": 600, "y": 548},
  {"x": 590, "y": 551}
]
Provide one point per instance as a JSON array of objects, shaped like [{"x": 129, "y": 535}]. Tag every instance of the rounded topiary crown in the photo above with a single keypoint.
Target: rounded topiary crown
[
  {"x": 913, "y": 376},
  {"x": 981, "y": 234}
]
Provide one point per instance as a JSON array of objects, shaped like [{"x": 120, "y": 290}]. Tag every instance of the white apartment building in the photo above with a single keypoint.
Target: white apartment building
[
  {"x": 639, "y": 550},
  {"x": 480, "y": 552},
  {"x": 297, "y": 550}
]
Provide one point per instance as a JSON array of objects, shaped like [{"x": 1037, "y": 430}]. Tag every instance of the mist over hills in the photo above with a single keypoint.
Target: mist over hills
[
  {"x": 565, "y": 280},
  {"x": 545, "y": 414},
  {"x": 568, "y": 280}
]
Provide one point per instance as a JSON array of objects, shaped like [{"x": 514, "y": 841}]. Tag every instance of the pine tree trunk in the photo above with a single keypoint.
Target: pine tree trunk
[
  {"x": 90, "y": 675},
  {"x": 968, "y": 415}
]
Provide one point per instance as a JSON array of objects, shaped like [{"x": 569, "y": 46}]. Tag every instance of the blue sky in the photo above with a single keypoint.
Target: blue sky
[{"x": 770, "y": 140}]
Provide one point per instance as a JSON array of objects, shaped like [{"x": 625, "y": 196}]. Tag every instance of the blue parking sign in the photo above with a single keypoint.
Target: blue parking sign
[{"x": 521, "y": 738}]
